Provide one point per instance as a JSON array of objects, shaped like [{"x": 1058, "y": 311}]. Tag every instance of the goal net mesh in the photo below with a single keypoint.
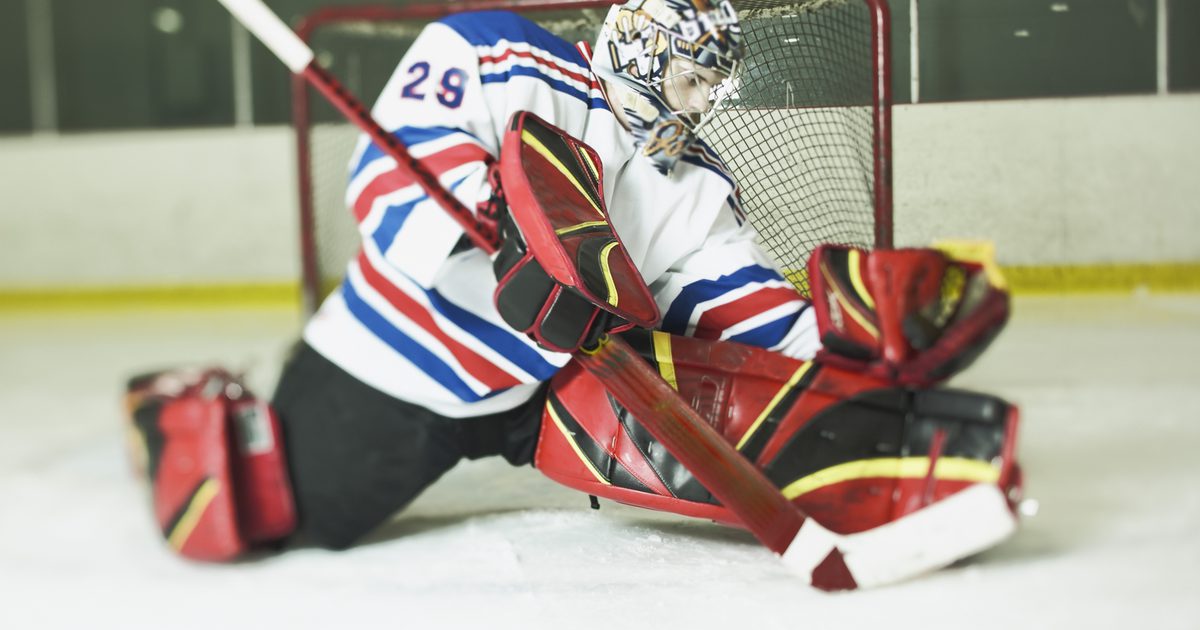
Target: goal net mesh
[{"x": 798, "y": 131}]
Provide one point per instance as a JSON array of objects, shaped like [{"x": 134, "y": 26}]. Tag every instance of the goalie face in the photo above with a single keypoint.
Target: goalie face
[
  {"x": 677, "y": 58},
  {"x": 693, "y": 92}
]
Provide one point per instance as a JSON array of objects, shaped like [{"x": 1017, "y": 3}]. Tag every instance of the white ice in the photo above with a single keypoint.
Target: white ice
[{"x": 1110, "y": 445}]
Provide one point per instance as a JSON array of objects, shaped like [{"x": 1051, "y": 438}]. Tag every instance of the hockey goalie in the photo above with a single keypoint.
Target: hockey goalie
[{"x": 615, "y": 218}]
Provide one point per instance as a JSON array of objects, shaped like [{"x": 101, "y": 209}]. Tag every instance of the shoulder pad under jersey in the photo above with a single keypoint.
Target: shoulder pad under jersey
[{"x": 489, "y": 28}]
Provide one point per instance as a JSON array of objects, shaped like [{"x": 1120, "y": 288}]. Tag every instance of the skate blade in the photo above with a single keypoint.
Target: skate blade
[{"x": 954, "y": 528}]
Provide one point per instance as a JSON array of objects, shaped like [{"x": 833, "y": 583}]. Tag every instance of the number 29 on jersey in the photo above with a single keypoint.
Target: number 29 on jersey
[{"x": 448, "y": 89}]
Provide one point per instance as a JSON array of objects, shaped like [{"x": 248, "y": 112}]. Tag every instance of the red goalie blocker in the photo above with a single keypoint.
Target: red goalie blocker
[
  {"x": 553, "y": 184},
  {"x": 213, "y": 455}
]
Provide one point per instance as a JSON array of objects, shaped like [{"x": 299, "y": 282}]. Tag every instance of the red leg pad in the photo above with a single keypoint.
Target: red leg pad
[
  {"x": 213, "y": 456},
  {"x": 194, "y": 503},
  {"x": 853, "y": 451}
]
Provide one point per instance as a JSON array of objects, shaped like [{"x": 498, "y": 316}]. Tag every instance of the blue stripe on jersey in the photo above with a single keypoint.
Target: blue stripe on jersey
[
  {"x": 526, "y": 71},
  {"x": 769, "y": 335},
  {"x": 702, "y": 155},
  {"x": 735, "y": 204},
  {"x": 410, "y": 137},
  {"x": 395, "y": 216},
  {"x": 714, "y": 163},
  {"x": 500, "y": 339},
  {"x": 393, "y": 219},
  {"x": 488, "y": 28},
  {"x": 417, "y": 354},
  {"x": 676, "y": 319}
]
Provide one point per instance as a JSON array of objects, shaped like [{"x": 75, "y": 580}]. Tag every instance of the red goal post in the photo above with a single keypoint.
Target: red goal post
[{"x": 807, "y": 132}]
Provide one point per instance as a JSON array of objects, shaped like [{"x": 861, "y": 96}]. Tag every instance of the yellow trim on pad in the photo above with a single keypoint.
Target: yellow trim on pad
[
  {"x": 799, "y": 374},
  {"x": 580, "y": 226},
  {"x": 947, "y": 469},
  {"x": 845, "y": 305},
  {"x": 856, "y": 279},
  {"x": 613, "y": 296},
  {"x": 600, "y": 343},
  {"x": 662, "y": 356},
  {"x": 537, "y": 145},
  {"x": 587, "y": 159},
  {"x": 199, "y": 503},
  {"x": 571, "y": 440},
  {"x": 856, "y": 316}
]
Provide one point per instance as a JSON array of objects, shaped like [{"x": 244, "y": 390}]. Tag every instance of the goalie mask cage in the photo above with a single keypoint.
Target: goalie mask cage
[{"x": 807, "y": 131}]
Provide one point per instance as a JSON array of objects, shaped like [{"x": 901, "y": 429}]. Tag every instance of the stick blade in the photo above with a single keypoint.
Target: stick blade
[{"x": 954, "y": 528}]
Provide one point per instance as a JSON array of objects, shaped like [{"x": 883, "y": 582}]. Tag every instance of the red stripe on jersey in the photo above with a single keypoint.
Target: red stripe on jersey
[
  {"x": 479, "y": 367},
  {"x": 438, "y": 163},
  {"x": 718, "y": 319},
  {"x": 541, "y": 61},
  {"x": 585, "y": 49},
  {"x": 384, "y": 183}
]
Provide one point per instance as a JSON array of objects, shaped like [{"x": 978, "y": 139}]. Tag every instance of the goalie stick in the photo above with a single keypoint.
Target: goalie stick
[{"x": 953, "y": 528}]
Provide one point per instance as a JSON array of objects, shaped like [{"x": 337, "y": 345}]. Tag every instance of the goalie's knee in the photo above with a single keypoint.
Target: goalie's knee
[{"x": 213, "y": 454}]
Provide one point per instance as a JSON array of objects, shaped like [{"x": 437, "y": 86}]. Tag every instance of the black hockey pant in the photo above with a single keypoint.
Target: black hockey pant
[{"x": 357, "y": 455}]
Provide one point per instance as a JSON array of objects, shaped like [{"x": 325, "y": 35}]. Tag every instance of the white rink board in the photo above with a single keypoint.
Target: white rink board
[
  {"x": 1054, "y": 181},
  {"x": 1085, "y": 180},
  {"x": 1108, "y": 443}
]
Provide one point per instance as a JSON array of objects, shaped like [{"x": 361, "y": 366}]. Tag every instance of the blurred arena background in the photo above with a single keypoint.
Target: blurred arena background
[{"x": 148, "y": 218}]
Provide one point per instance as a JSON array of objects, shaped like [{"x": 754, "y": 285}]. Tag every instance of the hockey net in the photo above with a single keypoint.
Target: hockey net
[{"x": 806, "y": 133}]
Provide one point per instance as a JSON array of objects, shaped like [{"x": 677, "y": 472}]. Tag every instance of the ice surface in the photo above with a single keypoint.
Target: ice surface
[{"x": 1108, "y": 387}]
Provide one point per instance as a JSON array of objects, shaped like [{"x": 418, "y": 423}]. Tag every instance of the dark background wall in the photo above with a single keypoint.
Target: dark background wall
[
  {"x": 15, "y": 114},
  {"x": 983, "y": 49},
  {"x": 127, "y": 64},
  {"x": 1184, "y": 44},
  {"x": 142, "y": 63}
]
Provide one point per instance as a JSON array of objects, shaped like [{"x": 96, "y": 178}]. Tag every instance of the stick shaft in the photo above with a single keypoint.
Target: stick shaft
[
  {"x": 296, "y": 55},
  {"x": 272, "y": 32},
  {"x": 483, "y": 237},
  {"x": 724, "y": 472}
]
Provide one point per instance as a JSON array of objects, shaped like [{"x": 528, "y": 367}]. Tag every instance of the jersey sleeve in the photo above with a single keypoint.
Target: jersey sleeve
[
  {"x": 730, "y": 289},
  {"x": 433, "y": 105}
]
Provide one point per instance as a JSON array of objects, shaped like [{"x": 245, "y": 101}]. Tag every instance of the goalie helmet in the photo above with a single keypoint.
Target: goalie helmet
[{"x": 678, "y": 58}]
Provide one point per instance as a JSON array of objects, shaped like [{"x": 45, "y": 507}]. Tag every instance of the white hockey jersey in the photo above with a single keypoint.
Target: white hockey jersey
[{"x": 414, "y": 316}]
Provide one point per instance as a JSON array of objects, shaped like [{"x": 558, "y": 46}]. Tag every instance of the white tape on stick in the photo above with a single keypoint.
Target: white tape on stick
[{"x": 271, "y": 31}]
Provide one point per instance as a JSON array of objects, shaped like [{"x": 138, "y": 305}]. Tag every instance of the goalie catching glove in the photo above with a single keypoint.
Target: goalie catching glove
[
  {"x": 913, "y": 316},
  {"x": 564, "y": 278}
]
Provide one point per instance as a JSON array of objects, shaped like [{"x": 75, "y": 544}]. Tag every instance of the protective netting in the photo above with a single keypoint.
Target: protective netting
[{"x": 797, "y": 133}]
